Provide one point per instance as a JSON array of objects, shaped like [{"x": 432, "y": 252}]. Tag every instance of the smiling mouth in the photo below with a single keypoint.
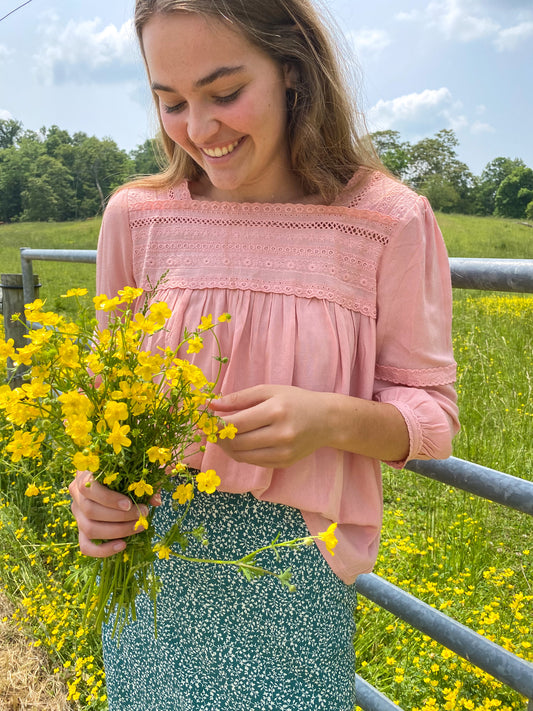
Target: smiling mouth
[{"x": 218, "y": 152}]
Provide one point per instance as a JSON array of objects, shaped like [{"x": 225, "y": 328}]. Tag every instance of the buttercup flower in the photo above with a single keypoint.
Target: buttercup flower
[
  {"x": 207, "y": 481},
  {"x": 118, "y": 437},
  {"x": 140, "y": 488},
  {"x": 183, "y": 493},
  {"x": 329, "y": 538},
  {"x": 32, "y": 490}
]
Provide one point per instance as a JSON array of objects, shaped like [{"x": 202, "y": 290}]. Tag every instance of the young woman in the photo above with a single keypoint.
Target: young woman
[{"x": 273, "y": 208}]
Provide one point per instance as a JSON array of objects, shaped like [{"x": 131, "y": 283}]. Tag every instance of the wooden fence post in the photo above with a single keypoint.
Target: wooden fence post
[{"x": 13, "y": 303}]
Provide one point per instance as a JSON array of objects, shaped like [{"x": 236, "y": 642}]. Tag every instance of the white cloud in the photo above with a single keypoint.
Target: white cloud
[
  {"x": 417, "y": 112},
  {"x": 455, "y": 19},
  {"x": 512, "y": 37},
  {"x": 86, "y": 52},
  {"x": 481, "y": 127},
  {"x": 369, "y": 42},
  {"x": 5, "y": 115},
  {"x": 407, "y": 16},
  {"x": 5, "y": 52}
]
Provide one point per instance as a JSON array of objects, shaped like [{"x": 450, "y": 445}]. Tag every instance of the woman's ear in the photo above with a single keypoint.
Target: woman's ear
[{"x": 290, "y": 76}]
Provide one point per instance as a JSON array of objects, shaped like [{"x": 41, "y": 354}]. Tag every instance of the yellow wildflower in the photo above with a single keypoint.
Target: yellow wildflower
[
  {"x": 159, "y": 454},
  {"x": 142, "y": 522},
  {"x": 74, "y": 292},
  {"x": 110, "y": 478},
  {"x": 224, "y": 317},
  {"x": 32, "y": 490},
  {"x": 207, "y": 481},
  {"x": 159, "y": 313},
  {"x": 205, "y": 323},
  {"x": 229, "y": 432},
  {"x": 183, "y": 493},
  {"x": 69, "y": 354},
  {"x": 7, "y": 349},
  {"x": 129, "y": 294},
  {"x": 329, "y": 538},
  {"x": 115, "y": 411},
  {"x": 24, "y": 444},
  {"x": 118, "y": 437},
  {"x": 83, "y": 462},
  {"x": 140, "y": 488},
  {"x": 195, "y": 344},
  {"x": 163, "y": 552}
]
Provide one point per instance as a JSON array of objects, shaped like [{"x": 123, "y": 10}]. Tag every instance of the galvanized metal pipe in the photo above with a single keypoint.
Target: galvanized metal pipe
[
  {"x": 492, "y": 274},
  {"x": 27, "y": 256},
  {"x": 493, "y": 659},
  {"x": 370, "y": 699},
  {"x": 488, "y": 483}
]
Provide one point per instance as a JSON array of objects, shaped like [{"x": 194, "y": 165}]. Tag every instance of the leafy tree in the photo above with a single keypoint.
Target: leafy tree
[
  {"x": 441, "y": 193},
  {"x": 529, "y": 211},
  {"x": 16, "y": 164},
  {"x": 148, "y": 157},
  {"x": 49, "y": 194},
  {"x": 490, "y": 180},
  {"x": 515, "y": 193},
  {"x": 393, "y": 152},
  {"x": 100, "y": 166},
  {"x": 437, "y": 156},
  {"x": 9, "y": 132}
]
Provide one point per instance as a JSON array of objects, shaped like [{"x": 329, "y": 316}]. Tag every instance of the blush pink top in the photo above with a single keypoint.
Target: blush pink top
[{"x": 352, "y": 297}]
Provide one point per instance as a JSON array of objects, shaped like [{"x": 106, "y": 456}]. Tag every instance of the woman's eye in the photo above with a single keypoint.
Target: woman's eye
[
  {"x": 229, "y": 98},
  {"x": 174, "y": 109}
]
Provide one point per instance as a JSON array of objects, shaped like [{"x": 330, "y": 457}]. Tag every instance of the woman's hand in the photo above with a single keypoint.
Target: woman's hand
[
  {"x": 279, "y": 424},
  {"x": 276, "y": 424},
  {"x": 102, "y": 514}
]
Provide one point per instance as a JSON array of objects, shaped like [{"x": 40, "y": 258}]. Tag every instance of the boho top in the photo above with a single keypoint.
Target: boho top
[{"x": 352, "y": 297}]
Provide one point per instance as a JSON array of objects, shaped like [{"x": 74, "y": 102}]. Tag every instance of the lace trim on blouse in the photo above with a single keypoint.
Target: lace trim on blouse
[{"x": 326, "y": 252}]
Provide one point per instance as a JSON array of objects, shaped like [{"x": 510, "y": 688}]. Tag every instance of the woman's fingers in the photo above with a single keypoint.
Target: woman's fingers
[{"x": 102, "y": 515}]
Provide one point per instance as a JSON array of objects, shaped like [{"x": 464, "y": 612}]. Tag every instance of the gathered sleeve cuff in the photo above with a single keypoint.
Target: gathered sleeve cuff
[
  {"x": 430, "y": 415},
  {"x": 415, "y": 368}
]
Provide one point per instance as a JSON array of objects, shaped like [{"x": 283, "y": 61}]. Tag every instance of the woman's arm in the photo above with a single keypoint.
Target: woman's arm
[{"x": 278, "y": 425}]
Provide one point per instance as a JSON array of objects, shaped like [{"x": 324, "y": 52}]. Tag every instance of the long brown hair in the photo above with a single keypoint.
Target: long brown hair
[{"x": 327, "y": 137}]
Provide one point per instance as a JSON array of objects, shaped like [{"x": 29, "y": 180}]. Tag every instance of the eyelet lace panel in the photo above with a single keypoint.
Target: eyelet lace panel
[{"x": 324, "y": 252}]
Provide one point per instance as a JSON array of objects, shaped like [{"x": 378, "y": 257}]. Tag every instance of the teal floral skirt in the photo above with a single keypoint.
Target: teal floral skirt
[{"x": 226, "y": 644}]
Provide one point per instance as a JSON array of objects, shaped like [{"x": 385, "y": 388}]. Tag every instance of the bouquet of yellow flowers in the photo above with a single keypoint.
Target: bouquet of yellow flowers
[{"x": 100, "y": 401}]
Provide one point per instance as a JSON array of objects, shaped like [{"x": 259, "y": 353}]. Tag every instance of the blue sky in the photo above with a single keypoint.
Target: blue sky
[{"x": 425, "y": 65}]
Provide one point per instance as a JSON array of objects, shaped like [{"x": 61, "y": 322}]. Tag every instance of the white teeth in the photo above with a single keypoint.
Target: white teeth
[{"x": 218, "y": 152}]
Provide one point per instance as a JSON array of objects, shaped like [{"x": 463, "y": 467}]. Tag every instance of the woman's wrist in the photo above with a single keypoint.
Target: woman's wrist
[{"x": 373, "y": 429}]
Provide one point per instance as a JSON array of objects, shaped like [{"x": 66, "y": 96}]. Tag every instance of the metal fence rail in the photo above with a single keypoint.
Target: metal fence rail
[
  {"x": 27, "y": 256},
  {"x": 515, "y": 275}
]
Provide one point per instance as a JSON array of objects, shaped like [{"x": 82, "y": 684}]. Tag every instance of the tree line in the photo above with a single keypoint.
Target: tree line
[
  {"x": 432, "y": 168},
  {"x": 51, "y": 175}
]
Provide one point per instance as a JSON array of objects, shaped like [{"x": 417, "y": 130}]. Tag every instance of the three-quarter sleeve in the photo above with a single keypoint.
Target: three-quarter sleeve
[
  {"x": 114, "y": 261},
  {"x": 415, "y": 368},
  {"x": 114, "y": 258}
]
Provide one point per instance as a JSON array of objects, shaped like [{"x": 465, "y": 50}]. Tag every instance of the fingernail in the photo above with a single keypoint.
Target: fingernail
[
  {"x": 143, "y": 510},
  {"x": 157, "y": 499},
  {"x": 124, "y": 504},
  {"x": 119, "y": 546}
]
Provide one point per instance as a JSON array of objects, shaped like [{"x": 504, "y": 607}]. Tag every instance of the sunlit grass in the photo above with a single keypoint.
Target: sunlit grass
[{"x": 467, "y": 557}]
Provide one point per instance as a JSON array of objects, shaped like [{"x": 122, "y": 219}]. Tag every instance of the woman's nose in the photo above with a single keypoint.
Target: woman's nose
[{"x": 201, "y": 125}]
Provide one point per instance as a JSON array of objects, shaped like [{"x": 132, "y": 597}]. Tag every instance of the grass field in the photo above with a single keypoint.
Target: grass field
[{"x": 471, "y": 559}]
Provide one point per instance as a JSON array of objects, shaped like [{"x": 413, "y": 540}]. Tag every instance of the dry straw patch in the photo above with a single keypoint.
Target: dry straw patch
[{"x": 26, "y": 680}]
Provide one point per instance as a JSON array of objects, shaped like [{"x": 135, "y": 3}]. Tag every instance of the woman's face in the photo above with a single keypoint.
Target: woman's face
[{"x": 224, "y": 102}]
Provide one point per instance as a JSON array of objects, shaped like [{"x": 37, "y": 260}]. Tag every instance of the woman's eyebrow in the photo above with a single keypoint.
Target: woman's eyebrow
[{"x": 209, "y": 79}]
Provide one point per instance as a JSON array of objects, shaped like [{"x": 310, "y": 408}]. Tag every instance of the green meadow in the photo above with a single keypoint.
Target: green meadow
[{"x": 465, "y": 556}]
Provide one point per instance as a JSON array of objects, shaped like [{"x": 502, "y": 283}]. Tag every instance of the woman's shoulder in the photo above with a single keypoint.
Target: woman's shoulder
[
  {"x": 142, "y": 192},
  {"x": 382, "y": 194}
]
